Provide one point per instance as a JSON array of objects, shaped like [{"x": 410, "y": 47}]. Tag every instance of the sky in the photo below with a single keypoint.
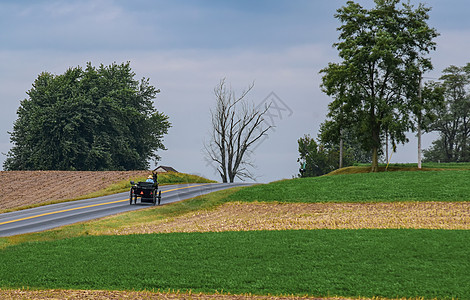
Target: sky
[{"x": 185, "y": 47}]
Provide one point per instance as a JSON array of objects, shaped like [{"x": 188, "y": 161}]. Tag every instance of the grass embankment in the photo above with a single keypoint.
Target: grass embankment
[
  {"x": 365, "y": 168},
  {"x": 387, "y": 263},
  {"x": 450, "y": 186},
  {"x": 163, "y": 179}
]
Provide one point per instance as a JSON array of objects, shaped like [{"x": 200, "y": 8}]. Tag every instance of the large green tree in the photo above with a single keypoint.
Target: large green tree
[
  {"x": 375, "y": 85},
  {"x": 87, "y": 119}
]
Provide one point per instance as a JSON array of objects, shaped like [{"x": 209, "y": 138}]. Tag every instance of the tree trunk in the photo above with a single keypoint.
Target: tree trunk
[
  {"x": 375, "y": 160},
  {"x": 375, "y": 147}
]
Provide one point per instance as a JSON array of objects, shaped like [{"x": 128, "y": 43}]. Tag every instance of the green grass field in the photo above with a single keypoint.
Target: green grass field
[
  {"x": 365, "y": 187},
  {"x": 387, "y": 263}
]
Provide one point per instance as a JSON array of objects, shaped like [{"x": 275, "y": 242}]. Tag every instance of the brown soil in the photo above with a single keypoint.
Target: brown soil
[{"x": 24, "y": 188}]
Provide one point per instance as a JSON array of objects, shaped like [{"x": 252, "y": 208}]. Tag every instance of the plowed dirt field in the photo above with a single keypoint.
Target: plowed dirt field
[{"x": 23, "y": 188}]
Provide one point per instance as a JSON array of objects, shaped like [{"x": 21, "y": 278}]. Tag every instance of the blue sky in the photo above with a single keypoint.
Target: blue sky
[{"x": 186, "y": 46}]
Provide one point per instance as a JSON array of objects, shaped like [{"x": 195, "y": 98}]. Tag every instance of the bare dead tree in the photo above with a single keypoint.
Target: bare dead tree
[{"x": 236, "y": 126}]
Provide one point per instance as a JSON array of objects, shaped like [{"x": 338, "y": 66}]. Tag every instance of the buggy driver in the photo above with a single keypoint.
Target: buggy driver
[{"x": 150, "y": 179}]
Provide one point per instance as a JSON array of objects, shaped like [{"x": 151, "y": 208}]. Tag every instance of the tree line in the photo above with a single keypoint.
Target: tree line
[
  {"x": 96, "y": 118},
  {"x": 378, "y": 95},
  {"x": 452, "y": 118}
]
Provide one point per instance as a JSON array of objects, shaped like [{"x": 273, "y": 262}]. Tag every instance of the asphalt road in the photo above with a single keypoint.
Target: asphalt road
[{"x": 56, "y": 215}]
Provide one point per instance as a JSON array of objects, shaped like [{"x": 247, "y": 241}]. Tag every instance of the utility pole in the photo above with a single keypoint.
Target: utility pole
[
  {"x": 341, "y": 148},
  {"x": 386, "y": 146},
  {"x": 419, "y": 120}
]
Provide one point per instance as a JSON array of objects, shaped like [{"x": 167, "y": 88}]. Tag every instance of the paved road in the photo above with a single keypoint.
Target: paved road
[{"x": 55, "y": 215}]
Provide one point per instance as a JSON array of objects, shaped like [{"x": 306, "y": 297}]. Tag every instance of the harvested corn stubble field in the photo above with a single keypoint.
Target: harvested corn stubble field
[{"x": 240, "y": 216}]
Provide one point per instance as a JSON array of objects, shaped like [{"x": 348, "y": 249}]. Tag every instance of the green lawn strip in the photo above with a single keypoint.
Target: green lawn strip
[
  {"x": 427, "y": 165},
  {"x": 365, "y": 187},
  {"x": 349, "y": 263},
  {"x": 462, "y": 166},
  {"x": 436, "y": 165}
]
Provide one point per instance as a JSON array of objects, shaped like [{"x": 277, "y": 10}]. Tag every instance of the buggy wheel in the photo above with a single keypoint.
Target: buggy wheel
[
  {"x": 154, "y": 198},
  {"x": 130, "y": 197},
  {"x": 159, "y": 197}
]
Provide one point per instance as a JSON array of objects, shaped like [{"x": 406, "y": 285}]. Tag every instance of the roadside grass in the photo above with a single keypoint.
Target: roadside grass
[
  {"x": 175, "y": 178},
  {"x": 135, "y": 218},
  {"x": 349, "y": 263},
  {"x": 450, "y": 186},
  {"x": 123, "y": 186},
  {"x": 163, "y": 179}
]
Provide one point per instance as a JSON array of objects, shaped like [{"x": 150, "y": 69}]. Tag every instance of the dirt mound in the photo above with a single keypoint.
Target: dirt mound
[{"x": 22, "y": 188}]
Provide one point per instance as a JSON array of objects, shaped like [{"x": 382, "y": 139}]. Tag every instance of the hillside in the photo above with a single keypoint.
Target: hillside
[{"x": 395, "y": 220}]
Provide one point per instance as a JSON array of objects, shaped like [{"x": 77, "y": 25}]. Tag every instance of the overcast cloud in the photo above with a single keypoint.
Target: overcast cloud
[{"x": 186, "y": 46}]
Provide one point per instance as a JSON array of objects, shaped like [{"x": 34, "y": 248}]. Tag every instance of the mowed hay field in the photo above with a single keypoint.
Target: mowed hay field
[{"x": 390, "y": 235}]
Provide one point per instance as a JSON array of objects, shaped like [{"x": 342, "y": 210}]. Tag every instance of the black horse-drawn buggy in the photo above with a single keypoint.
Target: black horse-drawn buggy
[{"x": 147, "y": 191}]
